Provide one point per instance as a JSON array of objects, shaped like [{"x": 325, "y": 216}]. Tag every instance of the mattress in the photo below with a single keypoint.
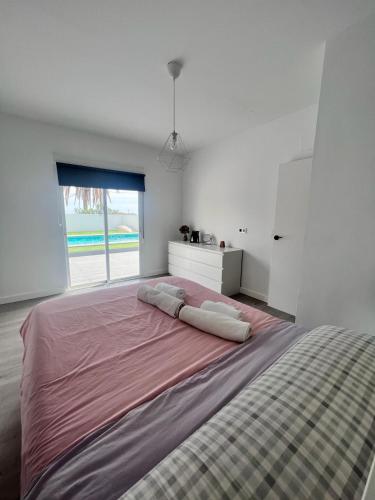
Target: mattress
[{"x": 108, "y": 378}]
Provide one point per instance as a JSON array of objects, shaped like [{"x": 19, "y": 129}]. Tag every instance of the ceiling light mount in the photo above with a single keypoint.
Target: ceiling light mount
[
  {"x": 173, "y": 155},
  {"x": 174, "y": 69}
]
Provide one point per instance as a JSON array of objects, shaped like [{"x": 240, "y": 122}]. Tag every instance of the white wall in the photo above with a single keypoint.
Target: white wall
[
  {"x": 94, "y": 222},
  {"x": 338, "y": 282},
  {"x": 32, "y": 258},
  {"x": 233, "y": 184}
]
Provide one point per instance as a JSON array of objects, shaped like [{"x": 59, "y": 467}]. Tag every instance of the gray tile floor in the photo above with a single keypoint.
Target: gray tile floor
[{"x": 259, "y": 304}]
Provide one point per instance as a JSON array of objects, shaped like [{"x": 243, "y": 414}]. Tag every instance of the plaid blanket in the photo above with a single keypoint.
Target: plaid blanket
[{"x": 303, "y": 430}]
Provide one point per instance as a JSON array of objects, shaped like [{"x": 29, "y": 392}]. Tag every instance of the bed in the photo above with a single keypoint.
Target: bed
[
  {"x": 303, "y": 429},
  {"x": 113, "y": 387}
]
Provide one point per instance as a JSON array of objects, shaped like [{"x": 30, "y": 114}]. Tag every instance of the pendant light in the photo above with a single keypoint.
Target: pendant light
[{"x": 173, "y": 155}]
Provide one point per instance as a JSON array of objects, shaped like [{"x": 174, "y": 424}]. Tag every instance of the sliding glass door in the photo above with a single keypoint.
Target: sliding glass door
[
  {"x": 102, "y": 234},
  {"x": 123, "y": 233}
]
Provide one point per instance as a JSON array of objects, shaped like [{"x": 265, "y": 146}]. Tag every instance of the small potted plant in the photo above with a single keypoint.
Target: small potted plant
[{"x": 185, "y": 230}]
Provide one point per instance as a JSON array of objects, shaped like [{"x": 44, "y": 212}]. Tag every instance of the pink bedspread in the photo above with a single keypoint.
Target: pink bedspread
[{"x": 90, "y": 358}]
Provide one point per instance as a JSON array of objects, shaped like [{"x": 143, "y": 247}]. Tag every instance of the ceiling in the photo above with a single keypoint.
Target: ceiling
[{"x": 101, "y": 65}]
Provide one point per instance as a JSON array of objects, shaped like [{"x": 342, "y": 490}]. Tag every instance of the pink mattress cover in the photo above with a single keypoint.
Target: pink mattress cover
[{"x": 90, "y": 358}]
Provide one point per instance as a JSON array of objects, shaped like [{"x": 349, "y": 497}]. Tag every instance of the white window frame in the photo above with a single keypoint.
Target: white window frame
[{"x": 108, "y": 280}]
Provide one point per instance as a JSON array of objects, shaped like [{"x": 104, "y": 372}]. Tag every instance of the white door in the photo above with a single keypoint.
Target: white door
[{"x": 289, "y": 233}]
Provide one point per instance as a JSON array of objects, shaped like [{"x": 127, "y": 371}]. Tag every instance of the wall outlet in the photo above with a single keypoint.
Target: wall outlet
[{"x": 243, "y": 230}]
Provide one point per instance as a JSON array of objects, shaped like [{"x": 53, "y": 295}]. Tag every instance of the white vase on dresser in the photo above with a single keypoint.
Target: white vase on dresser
[{"x": 211, "y": 266}]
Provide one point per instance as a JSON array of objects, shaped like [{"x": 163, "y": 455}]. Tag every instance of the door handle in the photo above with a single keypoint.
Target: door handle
[{"x": 277, "y": 237}]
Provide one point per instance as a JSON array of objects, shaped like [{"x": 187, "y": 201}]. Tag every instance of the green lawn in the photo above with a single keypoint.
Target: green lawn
[
  {"x": 87, "y": 249},
  {"x": 100, "y": 248}
]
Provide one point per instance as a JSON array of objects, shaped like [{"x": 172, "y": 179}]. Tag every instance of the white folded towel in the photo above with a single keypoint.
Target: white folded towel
[
  {"x": 175, "y": 291},
  {"x": 163, "y": 301},
  {"x": 217, "y": 324},
  {"x": 222, "y": 308}
]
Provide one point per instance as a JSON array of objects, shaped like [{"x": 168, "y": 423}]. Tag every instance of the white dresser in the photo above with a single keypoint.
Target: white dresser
[{"x": 216, "y": 268}]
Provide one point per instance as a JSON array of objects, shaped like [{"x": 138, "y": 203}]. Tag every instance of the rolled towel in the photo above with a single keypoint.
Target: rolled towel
[
  {"x": 222, "y": 308},
  {"x": 175, "y": 291},
  {"x": 215, "y": 323},
  {"x": 163, "y": 301}
]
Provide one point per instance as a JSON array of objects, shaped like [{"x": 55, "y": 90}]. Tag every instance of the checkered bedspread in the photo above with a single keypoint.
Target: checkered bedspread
[{"x": 303, "y": 430}]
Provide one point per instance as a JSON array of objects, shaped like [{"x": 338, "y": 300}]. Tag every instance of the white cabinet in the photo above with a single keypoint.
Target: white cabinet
[{"x": 216, "y": 268}]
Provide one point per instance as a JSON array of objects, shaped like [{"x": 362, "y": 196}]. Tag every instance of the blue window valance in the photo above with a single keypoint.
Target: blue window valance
[{"x": 90, "y": 177}]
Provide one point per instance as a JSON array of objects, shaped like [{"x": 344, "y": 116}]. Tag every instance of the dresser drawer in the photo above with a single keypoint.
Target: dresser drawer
[
  {"x": 211, "y": 266},
  {"x": 207, "y": 257},
  {"x": 197, "y": 255},
  {"x": 198, "y": 278},
  {"x": 214, "y": 273},
  {"x": 179, "y": 250}
]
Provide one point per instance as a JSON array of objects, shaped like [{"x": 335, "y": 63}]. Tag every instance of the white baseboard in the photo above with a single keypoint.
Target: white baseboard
[
  {"x": 254, "y": 294},
  {"x": 30, "y": 295}
]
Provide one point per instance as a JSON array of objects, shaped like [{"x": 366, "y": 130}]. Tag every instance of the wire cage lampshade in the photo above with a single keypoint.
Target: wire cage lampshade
[{"x": 174, "y": 156}]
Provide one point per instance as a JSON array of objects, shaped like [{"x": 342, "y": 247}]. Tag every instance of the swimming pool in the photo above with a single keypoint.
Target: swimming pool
[{"x": 98, "y": 239}]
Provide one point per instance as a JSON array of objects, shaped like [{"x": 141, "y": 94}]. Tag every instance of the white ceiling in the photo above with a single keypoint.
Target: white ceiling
[{"x": 99, "y": 65}]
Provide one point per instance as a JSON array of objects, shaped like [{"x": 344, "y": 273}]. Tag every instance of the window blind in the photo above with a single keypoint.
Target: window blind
[{"x": 90, "y": 177}]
